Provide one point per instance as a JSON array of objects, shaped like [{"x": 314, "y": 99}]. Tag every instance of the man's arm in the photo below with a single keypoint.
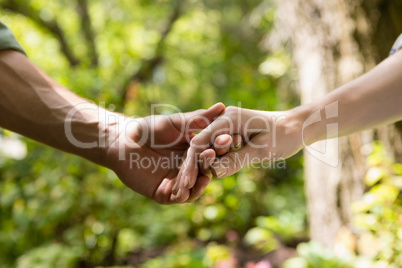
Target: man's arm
[{"x": 34, "y": 105}]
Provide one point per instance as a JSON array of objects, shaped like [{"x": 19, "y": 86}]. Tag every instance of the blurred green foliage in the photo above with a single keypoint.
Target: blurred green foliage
[
  {"x": 378, "y": 219},
  {"x": 57, "y": 210},
  {"x": 379, "y": 213},
  {"x": 314, "y": 255}
]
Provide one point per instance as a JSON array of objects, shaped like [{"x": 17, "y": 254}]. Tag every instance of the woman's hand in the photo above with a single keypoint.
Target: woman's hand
[{"x": 260, "y": 135}]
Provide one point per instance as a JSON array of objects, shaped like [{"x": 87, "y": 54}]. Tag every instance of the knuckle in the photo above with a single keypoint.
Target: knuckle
[
  {"x": 195, "y": 141},
  {"x": 200, "y": 121},
  {"x": 231, "y": 109},
  {"x": 198, "y": 142},
  {"x": 232, "y": 158}
]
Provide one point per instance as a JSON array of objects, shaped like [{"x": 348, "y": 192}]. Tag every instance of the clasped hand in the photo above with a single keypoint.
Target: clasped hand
[{"x": 161, "y": 158}]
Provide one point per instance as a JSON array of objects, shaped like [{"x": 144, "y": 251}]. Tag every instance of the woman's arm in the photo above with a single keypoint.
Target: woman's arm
[
  {"x": 368, "y": 101},
  {"x": 374, "y": 98}
]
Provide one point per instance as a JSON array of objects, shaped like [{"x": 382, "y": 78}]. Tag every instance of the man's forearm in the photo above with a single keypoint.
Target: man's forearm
[
  {"x": 34, "y": 105},
  {"x": 366, "y": 102}
]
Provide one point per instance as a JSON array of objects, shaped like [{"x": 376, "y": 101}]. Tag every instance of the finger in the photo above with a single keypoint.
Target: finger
[
  {"x": 207, "y": 158},
  {"x": 197, "y": 120},
  {"x": 205, "y": 139},
  {"x": 199, "y": 187},
  {"x": 232, "y": 162},
  {"x": 222, "y": 144},
  {"x": 182, "y": 159},
  {"x": 182, "y": 195},
  {"x": 203, "y": 162},
  {"x": 188, "y": 173},
  {"x": 162, "y": 194},
  {"x": 237, "y": 142},
  {"x": 176, "y": 183},
  {"x": 225, "y": 124}
]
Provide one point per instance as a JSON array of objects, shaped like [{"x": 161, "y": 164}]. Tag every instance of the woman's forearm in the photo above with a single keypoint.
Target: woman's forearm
[
  {"x": 34, "y": 105},
  {"x": 373, "y": 99}
]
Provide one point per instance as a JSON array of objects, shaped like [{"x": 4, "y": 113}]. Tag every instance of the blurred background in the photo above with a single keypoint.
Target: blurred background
[{"x": 57, "y": 210}]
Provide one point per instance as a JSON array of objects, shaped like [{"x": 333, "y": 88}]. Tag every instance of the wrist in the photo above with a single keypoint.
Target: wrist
[
  {"x": 308, "y": 123},
  {"x": 121, "y": 135},
  {"x": 93, "y": 132},
  {"x": 293, "y": 126},
  {"x": 108, "y": 135},
  {"x": 111, "y": 127}
]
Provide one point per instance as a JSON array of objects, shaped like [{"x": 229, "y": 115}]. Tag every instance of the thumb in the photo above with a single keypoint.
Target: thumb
[
  {"x": 198, "y": 120},
  {"x": 232, "y": 162},
  {"x": 206, "y": 159}
]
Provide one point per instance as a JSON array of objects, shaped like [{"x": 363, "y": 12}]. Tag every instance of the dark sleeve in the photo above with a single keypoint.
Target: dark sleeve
[
  {"x": 397, "y": 45},
  {"x": 8, "y": 41}
]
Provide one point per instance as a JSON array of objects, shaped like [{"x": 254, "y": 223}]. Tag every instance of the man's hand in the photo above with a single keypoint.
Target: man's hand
[
  {"x": 34, "y": 105},
  {"x": 147, "y": 153}
]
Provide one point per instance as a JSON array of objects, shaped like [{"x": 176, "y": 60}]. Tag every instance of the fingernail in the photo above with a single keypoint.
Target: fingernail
[
  {"x": 174, "y": 187},
  {"x": 237, "y": 146},
  {"x": 219, "y": 171},
  {"x": 186, "y": 181},
  {"x": 178, "y": 195}
]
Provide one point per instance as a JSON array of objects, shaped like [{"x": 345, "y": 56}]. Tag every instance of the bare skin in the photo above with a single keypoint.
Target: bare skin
[
  {"x": 34, "y": 105},
  {"x": 366, "y": 102}
]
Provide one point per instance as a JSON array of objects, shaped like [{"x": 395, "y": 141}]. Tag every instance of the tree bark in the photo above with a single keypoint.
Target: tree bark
[
  {"x": 333, "y": 42},
  {"x": 327, "y": 56}
]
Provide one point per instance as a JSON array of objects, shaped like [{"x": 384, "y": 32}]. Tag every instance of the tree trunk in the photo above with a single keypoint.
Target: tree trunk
[{"x": 333, "y": 42}]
